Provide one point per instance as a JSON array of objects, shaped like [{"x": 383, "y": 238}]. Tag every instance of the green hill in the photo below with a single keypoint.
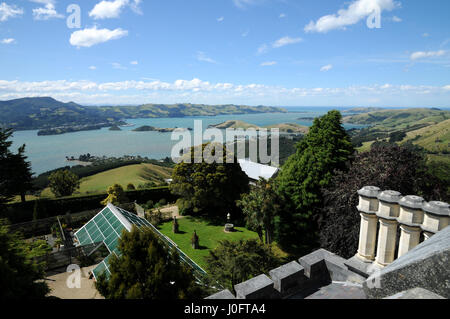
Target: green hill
[
  {"x": 284, "y": 127},
  {"x": 46, "y": 112},
  {"x": 434, "y": 138},
  {"x": 391, "y": 120},
  {"x": 58, "y": 117},
  {"x": 138, "y": 174},
  {"x": 427, "y": 128}
]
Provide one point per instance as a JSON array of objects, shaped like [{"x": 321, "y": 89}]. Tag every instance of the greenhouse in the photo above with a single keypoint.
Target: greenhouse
[{"x": 107, "y": 227}]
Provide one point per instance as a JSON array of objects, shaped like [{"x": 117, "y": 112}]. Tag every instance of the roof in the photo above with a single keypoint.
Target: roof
[
  {"x": 255, "y": 170},
  {"x": 107, "y": 227}
]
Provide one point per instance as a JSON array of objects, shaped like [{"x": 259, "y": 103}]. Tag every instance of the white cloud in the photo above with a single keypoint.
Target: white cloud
[
  {"x": 8, "y": 41},
  {"x": 244, "y": 34},
  {"x": 426, "y": 35},
  {"x": 263, "y": 49},
  {"x": 326, "y": 68},
  {"x": 282, "y": 15},
  {"x": 268, "y": 63},
  {"x": 199, "y": 91},
  {"x": 44, "y": 1},
  {"x": 202, "y": 57},
  {"x": 285, "y": 41},
  {"x": 278, "y": 44},
  {"x": 113, "y": 8},
  {"x": 134, "y": 62},
  {"x": 220, "y": 19},
  {"x": 46, "y": 13},
  {"x": 243, "y": 3},
  {"x": 135, "y": 6},
  {"x": 118, "y": 66},
  {"x": 89, "y": 37},
  {"x": 9, "y": 11},
  {"x": 427, "y": 54},
  {"x": 108, "y": 9},
  {"x": 92, "y": 67},
  {"x": 396, "y": 19},
  {"x": 355, "y": 12}
]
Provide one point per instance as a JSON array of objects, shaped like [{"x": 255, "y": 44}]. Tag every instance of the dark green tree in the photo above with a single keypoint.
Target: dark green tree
[
  {"x": 20, "y": 276},
  {"x": 116, "y": 195},
  {"x": 63, "y": 183},
  {"x": 209, "y": 188},
  {"x": 260, "y": 206},
  {"x": 130, "y": 187},
  {"x": 233, "y": 262},
  {"x": 325, "y": 149},
  {"x": 147, "y": 270},
  {"x": 15, "y": 171}
]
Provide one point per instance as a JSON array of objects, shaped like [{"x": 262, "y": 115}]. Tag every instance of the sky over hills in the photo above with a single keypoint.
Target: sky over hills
[{"x": 271, "y": 52}]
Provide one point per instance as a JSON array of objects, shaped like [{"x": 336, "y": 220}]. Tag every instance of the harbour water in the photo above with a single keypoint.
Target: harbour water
[{"x": 49, "y": 152}]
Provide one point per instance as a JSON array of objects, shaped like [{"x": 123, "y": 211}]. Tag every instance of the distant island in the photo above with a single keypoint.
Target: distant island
[
  {"x": 55, "y": 117},
  {"x": 115, "y": 128},
  {"x": 306, "y": 119},
  {"x": 283, "y": 127},
  {"x": 147, "y": 128},
  {"x": 75, "y": 128}
]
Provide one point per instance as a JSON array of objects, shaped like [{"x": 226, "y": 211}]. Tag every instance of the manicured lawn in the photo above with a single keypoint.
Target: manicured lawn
[{"x": 209, "y": 235}]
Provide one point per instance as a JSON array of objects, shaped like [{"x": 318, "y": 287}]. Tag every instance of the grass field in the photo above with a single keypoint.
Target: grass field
[
  {"x": 434, "y": 138},
  {"x": 136, "y": 174},
  {"x": 209, "y": 235}
]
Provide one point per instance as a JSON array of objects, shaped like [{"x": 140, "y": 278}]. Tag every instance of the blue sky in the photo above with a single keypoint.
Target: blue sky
[{"x": 270, "y": 52}]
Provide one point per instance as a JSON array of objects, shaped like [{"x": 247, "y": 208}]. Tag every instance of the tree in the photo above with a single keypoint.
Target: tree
[
  {"x": 387, "y": 166},
  {"x": 324, "y": 149},
  {"x": 147, "y": 270},
  {"x": 131, "y": 187},
  {"x": 63, "y": 183},
  {"x": 20, "y": 276},
  {"x": 15, "y": 171},
  {"x": 260, "y": 207},
  {"x": 208, "y": 188},
  {"x": 116, "y": 195},
  {"x": 233, "y": 262}
]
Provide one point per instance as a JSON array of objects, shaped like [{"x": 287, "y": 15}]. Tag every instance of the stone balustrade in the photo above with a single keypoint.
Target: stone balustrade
[{"x": 383, "y": 213}]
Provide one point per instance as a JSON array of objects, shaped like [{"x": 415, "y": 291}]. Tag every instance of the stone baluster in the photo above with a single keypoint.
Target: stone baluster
[
  {"x": 388, "y": 211},
  {"x": 410, "y": 219},
  {"x": 368, "y": 207},
  {"x": 436, "y": 217}
]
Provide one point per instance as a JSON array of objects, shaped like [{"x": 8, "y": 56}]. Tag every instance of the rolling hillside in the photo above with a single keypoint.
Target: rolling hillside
[
  {"x": 434, "y": 138},
  {"x": 428, "y": 128},
  {"x": 391, "y": 120},
  {"x": 48, "y": 113},
  {"x": 136, "y": 174},
  {"x": 284, "y": 127},
  {"x": 45, "y": 112}
]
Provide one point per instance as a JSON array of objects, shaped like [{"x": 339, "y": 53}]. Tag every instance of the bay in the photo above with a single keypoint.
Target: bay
[{"x": 49, "y": 152}]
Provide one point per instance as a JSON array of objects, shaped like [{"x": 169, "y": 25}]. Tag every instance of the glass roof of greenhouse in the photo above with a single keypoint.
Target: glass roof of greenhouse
[{"x": 107, "y": 227}]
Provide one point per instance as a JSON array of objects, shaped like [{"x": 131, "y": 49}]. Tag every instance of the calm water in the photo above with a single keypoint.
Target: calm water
[{"x": 49, "y": 152}]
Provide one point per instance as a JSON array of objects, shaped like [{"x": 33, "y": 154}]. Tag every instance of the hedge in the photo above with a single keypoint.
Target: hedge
[{"x": 23, "y": 212}]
